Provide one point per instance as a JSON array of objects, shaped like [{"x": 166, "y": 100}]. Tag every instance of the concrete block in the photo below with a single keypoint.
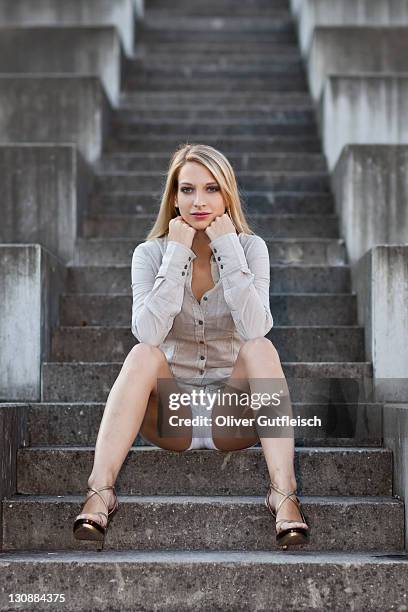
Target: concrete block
[
  {"x": 371, "y": 193},
  {"x": 355, "y": 50},
  {"x": 139, "y": 6},
  {"x": 44, "y": 195},
  {"x": 64, "y": 50},
  {"x": 119, "y": 13},
  {"x": 31, "y": 279},
  {"x": 57, "y": 109},
  {"x": 380, "y": 279},
  {"x": 363, "y": 109},
  {"x": 314, "y": 13},
  {"x": 395, "y": 423},
  {"x": 295, "y": 6},
  {"x": 12, "y": 436}
]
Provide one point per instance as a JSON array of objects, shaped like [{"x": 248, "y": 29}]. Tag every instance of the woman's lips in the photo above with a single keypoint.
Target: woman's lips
[{"x": 200, "y": 215}]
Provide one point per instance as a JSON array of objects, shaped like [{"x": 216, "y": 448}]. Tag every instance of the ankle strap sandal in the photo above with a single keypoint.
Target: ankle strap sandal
[{"x": 292, "y": 535}]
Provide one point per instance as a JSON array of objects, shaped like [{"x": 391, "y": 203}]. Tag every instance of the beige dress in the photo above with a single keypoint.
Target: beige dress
[{"x": 201, "y": 339}]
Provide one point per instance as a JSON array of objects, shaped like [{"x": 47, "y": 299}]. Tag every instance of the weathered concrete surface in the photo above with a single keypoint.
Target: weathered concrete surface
[
  {"x": 214, "y": 522},
  {"x": 353, "y": 50},
  {"x": 371, "y": 193},
  {"x": 314, "y": 13},
  {"x": 380, "y": 279},
  {"x": 233, "y": 581},
  {"x": 12, "y": 436},
  {"x": 64, "y": 50},
  {"x": 57, "y": 109},
  {"x": 44, "y": 195},
  {"x": 395, "y": 422},
  {"x": 214, "y": 8},
  {"x": 119, "y": 13},
  {"x": 31, "y": 280},
  {"x": 295, "y": 6},
  {"x": 152, "y": 471},
  {"x": 139, "y": 6},
  {"x": 348, "y": 113},
  {"x": 92, "y": 382}
]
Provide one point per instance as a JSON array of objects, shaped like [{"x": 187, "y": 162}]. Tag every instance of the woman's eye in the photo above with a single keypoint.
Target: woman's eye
[{"x": 183, "y": 189}]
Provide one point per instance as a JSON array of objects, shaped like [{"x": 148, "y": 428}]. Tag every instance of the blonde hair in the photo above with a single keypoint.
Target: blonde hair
[{"x": 222, "y": 171}]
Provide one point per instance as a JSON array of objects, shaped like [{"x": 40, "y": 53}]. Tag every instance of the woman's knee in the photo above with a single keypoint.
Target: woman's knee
[
  {"x": 143, "y": 354},
  {"x": 256, "y": 347}
]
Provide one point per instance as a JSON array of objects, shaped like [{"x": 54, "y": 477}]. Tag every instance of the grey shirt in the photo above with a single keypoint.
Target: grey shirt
[{"x": 201, "y": 339}]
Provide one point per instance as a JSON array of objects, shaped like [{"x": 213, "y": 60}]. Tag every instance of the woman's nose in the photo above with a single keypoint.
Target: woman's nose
[{"x": 199, "y": 199}]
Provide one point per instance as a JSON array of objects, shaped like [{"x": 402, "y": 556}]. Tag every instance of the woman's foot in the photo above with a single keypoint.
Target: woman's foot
[
  {"x": 287, "y": 510},
  {"x": 94, "y": 504}
]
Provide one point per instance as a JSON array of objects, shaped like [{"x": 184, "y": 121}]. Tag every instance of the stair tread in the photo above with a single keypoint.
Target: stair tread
[
  {"x": 173, "y": 557},
  {"x": 213, "y": 499},
  {"x": 258, "y": 450}
]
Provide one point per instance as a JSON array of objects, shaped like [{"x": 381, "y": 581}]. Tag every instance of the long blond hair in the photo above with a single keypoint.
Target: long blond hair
[{"x": 222, "y": 171}]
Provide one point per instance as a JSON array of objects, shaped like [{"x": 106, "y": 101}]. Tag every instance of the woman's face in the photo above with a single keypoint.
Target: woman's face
[{"x": 198, "y": 191}]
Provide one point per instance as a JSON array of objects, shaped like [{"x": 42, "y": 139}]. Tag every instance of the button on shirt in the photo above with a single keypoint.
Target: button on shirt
[{"x": 201, "y": 339}]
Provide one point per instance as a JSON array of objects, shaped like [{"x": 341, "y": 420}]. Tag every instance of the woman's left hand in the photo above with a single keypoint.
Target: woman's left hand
[{"x": 221, "y": 225}]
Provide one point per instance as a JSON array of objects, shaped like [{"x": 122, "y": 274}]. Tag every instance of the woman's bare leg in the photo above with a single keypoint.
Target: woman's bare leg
[
  {"x": 125, "y": 411},
  {"x": 258, "y": 359}
]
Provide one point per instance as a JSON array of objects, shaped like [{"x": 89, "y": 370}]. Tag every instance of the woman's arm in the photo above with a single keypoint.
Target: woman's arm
[
  {"x": 245, "y": 279},
  {"x": 158, "y": 292}
]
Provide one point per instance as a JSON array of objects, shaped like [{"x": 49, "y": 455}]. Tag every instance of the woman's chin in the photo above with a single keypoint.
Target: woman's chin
[{"x": 202, "y": 222}]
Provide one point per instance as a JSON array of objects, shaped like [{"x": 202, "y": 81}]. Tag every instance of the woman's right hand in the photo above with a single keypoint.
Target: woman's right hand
[{"x": 182, "y": 232}]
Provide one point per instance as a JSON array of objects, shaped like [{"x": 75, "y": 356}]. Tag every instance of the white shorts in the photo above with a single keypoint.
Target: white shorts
[{"x": 202, "y": 434}]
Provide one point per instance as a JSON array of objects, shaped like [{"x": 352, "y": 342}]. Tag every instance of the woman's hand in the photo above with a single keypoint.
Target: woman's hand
[
  {"x": 221, "y": 225},
  {"x": 182, "y": 232}
]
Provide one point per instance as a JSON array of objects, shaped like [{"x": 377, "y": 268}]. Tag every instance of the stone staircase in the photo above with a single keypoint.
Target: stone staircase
[{"x": 192, "y": 532}]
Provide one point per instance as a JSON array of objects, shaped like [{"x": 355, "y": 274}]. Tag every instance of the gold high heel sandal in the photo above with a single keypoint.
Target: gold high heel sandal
[
  {"x": 292, "y": 535},
  {"x": 86, "y": 528}
]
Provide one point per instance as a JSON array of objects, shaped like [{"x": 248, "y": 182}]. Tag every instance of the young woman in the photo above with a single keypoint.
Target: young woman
[{"x": 200, "y": 311}]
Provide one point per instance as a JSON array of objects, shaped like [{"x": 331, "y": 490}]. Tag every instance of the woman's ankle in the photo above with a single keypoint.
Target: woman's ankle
[
  {"x": 97, "y": 482},
  {"x": 285, "y": 484}
]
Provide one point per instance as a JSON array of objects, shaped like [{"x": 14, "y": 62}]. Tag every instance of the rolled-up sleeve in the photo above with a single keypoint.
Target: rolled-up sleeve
[
  {"x": 158, "y": 289},
  {"x": 246, "y": 279}
]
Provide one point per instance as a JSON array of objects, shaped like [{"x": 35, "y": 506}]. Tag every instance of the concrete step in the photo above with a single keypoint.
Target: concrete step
[
  {"x": 265, "y": 225},
  {"x": 187, "y": 578},
  {"x": 271, "y": 84},
  {"x": 326, "y": 344},
  {"x": 279, "y": 21},
  {"x": 217, "y": 52},
  {"x": 279, "y": 29},
  {"x": 219, "y": 99},
  {"x": 227, "y": 144},
  {"x": 211, "y": 8},
  {"x": 279, "y": 60},
  {"x": 92, "y": 382},
  {"x": 288, "y": 309},
  {"x": 158, "y": 162},
  {"x": 278, "y": 181},
  {"x": 218, "y": 71},
  {"x": 77, "y": 425},
  {"x": 148, "y": 202},
  {"x": 107, "y": 251},
  {"x": 283, "y": 279},
  {"x": 153, "y": 471},
  {"x": 189, "y": 129},
  {"x": 276, "y": 10},
  {"x": 204, "y": 522},
  {"x": 304, "y": 118}
]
